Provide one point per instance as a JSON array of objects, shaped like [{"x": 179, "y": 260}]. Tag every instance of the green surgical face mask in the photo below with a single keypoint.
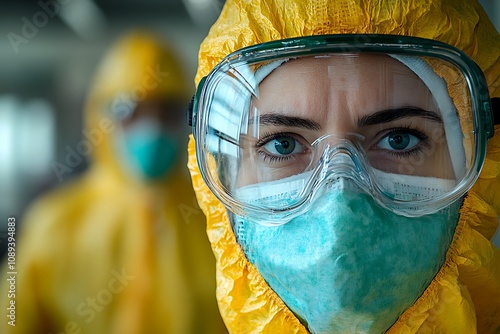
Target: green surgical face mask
[
  {"x": 349, "y": 265},
  {"x": 151, "y": 152}
]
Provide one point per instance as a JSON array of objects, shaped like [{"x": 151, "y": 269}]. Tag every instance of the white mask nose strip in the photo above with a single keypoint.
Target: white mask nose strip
[
  {"x": 402, "y": 187},
  {"x": 411, "y": 187},
  {"x": 272, "y": 191}
]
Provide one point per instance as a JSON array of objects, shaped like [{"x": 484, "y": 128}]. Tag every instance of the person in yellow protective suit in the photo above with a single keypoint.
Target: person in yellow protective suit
[
  {"x": 122, "y": 249},
  {"x": 346, "y": 157}
]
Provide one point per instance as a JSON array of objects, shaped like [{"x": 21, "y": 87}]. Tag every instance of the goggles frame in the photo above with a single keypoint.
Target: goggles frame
[{"x": 483, "y": 118}]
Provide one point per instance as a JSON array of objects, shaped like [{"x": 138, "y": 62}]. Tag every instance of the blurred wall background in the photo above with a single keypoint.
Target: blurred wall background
[{"x": 48, "y": 52}]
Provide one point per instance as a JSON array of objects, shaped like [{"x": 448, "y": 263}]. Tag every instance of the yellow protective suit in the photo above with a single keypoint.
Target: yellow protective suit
[
  {"x": 464, "y": 297},
  {"x": 106, "y": 253}
]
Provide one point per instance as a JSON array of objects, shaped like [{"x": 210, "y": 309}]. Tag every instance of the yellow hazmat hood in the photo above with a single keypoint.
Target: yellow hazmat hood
[{"x": 464, "y": 297}]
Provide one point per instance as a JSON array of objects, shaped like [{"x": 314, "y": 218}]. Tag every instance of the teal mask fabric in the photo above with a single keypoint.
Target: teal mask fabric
[
  {"x": 152, "y": 152},
  {"x": 348, "y": 265}
]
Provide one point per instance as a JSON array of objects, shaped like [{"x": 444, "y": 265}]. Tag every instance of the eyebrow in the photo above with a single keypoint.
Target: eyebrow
[
  {"x": 290, "y": 121},
  {"x": 389, "y": 115}
]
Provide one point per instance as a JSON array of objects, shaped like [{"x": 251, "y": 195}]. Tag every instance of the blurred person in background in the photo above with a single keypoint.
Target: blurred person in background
[
  {"x": 347, "y": 158},
  {"x": 123, "y": 248}
]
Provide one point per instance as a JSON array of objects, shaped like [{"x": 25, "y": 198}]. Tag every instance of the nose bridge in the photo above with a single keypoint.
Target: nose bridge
[{"x": 342, "y": 157}]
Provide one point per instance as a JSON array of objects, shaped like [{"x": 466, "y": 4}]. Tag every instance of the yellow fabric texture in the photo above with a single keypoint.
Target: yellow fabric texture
[
  {"x": 464, "y": 297},
  {"x": 107, "y": 253}
]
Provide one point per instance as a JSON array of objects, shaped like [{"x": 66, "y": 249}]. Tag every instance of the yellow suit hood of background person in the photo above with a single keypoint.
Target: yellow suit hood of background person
[
  {"x": 464, "y": 297},
  {"x": 137, "y": 68},
  {"x": 109, "y": 254}
]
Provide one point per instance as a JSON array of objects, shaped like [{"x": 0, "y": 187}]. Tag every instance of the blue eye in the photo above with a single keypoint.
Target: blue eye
[
  {"x": 399, "y": 140},
  {"x": 281, "y": 145},
  {"x": 284, "y": 145}
]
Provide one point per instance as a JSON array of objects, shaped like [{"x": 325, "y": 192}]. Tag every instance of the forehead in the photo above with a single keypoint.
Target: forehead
[
  {"x": 358, "y": 83},
  {"x": 342, "y": 66}
]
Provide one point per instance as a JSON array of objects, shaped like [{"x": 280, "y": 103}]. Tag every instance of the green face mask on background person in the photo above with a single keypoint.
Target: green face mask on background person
[{"x": 150, "y": 150}]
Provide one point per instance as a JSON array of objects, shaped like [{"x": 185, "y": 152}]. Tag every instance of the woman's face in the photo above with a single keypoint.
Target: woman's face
[{"x": 372, "y": 99}]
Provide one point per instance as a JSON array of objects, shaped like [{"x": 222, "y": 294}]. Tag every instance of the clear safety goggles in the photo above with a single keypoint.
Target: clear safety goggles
[{"x": 406, "y": 119}]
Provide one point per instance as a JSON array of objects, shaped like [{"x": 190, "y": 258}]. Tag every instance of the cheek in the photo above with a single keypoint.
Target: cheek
[
  {"x": 443, "y": 164},
  {"x": 435, "y": 159},
  {"x": 432, "y": 160}
]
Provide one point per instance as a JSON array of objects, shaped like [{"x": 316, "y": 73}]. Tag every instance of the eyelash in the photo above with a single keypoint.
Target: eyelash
[
  {"x": 424, "y": 141},
  {"x": 266, "y": 138}
]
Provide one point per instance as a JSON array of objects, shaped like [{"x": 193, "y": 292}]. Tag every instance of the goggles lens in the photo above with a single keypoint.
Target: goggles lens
[{"x": 273, "y": 131}]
